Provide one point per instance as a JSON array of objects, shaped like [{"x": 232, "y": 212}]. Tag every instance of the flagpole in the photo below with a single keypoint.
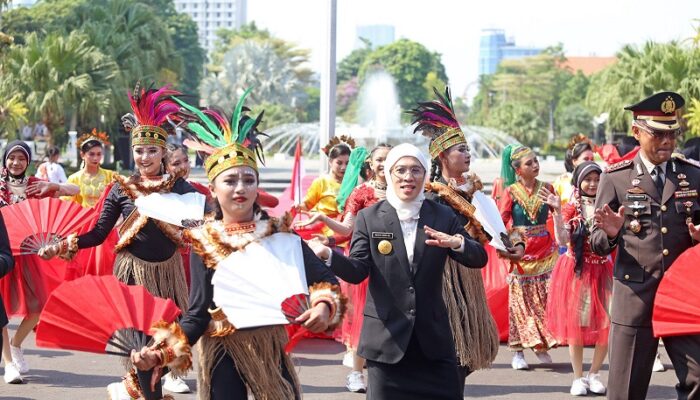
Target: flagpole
[{"x": 328, "y": 84}]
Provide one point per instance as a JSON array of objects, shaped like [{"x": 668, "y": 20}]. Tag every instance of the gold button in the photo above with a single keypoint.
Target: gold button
[
  {"x": 663, "y": 208},
  {"x": 665, "y": 252},
  {"x": 664, "y": 230},
  {"x": 627, "y": 276}
]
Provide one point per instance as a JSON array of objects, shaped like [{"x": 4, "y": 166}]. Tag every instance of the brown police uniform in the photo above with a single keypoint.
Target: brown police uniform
[{"x": 654, "y": 233}]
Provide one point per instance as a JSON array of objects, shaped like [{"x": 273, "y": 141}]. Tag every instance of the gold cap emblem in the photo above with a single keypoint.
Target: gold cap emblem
[
  {"x": 384, "y": 247},
  {"x": 668, "y": 106}
]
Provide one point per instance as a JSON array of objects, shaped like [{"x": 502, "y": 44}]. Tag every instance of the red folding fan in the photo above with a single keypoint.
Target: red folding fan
[
  {"x": 294, "y": 306},
  {"x": 99, "y": 314},
  {"x": 33, "y": 223},
  {"x": 677, "y": 305}
]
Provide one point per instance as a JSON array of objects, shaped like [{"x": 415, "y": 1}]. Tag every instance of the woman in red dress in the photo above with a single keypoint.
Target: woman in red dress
[{"x": 25, "y": 289}]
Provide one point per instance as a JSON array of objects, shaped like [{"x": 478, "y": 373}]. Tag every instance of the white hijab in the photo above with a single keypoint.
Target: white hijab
[{"x": 405, "y": 209}]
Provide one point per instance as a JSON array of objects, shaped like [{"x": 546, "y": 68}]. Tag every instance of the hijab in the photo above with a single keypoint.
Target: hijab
[
  {"x": 16, "y": 145},
  {"x": 405, "y": 209}
]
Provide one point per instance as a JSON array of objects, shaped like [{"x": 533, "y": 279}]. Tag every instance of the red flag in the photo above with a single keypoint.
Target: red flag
[{"x": 297, "y": 174}]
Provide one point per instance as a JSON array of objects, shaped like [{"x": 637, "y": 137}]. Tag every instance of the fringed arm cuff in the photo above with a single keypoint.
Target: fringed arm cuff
[
  {"x": 325, "y": 292},
  {"x": 175, "y": 350},
  {"x": 68, "y": 247}
]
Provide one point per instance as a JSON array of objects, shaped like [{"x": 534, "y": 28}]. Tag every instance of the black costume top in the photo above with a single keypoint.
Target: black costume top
[
  {"x": 150, "y": 243},
  {"x": 196, "y": 320}
]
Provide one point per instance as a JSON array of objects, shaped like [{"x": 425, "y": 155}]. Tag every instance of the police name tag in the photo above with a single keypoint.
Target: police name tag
[
  {"x": 382, "y": 235},
  {"x": 636, "y": 197}
]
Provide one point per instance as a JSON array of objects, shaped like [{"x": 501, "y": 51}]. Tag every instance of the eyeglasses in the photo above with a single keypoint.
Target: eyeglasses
[
  {"x": 660, "y": 135},
  {"x": 401, "y": 172}
]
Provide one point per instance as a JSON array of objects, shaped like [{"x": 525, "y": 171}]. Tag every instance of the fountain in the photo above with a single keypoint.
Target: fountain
[{"x": 379, "y": 122}]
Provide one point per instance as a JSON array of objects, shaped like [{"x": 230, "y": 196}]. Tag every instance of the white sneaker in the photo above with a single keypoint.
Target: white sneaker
[
  {"x": 579, "y": 387},
  {"x": 356, "y": 382},
  {"x": 658, "y": 365},
  {"x": 348, "y": 360},
  {"x": 18, "y": 359},
  {"x": 595, "y": 385},
  {"x": 117, "y": 391},
  {"x": 518, "y": 362},
  {"x": 175, "y": 385},
  {"x": 12, "y": 374},
  {"x": 544, "y": 357}
]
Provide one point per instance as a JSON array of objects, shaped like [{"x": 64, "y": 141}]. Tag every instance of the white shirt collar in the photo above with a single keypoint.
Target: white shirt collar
[{"x": 650, "y": 165}]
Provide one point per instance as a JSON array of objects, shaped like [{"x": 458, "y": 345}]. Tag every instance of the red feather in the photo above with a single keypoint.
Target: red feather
[{"x": 152, "y": 107}]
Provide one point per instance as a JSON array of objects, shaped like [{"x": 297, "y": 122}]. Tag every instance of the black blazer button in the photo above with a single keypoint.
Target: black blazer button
[
  {"x": 412, "y": 312},
  {"x": 411, "y": 289}
]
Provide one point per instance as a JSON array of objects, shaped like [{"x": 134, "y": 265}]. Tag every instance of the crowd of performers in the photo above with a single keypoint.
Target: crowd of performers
[{"x": 398, "y": 266}]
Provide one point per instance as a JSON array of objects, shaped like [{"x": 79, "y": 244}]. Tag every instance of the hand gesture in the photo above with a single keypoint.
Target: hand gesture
[
  {"x": 514, "y": 253},
  {"x": 322, "y": 251},
  {"x": 41, "y": 189},
  {"x": 315, "y": 319},
  {"x": 609, "y": 221},
  {"x": 441, "y": 239},
  {"x": 313, "y": 218},
  {"x": 694, "y": 231},
  {"x": 321, "y": 238},
  {"x": 146, "y": 359},
  {"x": 49, "y": 251},
  {"x": 550, "y": 199}
]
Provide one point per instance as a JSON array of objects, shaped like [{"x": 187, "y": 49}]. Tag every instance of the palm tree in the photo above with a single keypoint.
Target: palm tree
[
  {"x": 13, "y": 112},
  {"x": 61, "y": 77},
  {"x": 640, "y": 72}
]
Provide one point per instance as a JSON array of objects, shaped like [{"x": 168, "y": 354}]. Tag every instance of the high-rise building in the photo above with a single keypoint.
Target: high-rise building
[
  {"x": 494, "y": 47},
  {"x": 378, "y": 35},
  {"x": 212, "y": 15}
]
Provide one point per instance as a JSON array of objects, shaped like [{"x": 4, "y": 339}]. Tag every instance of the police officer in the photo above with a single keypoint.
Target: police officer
[{"x": 647, "y": 208}]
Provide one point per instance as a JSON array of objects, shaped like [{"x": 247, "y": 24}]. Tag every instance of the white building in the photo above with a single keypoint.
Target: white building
[{"x": 211, "y": 15}]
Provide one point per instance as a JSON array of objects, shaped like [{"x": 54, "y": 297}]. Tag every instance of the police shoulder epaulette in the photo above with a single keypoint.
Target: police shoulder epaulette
[
  {"x": 689, "y": 161},
  {"x": 618, "y": 166}
]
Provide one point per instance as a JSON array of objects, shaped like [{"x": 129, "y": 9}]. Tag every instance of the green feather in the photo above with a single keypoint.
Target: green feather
[
  {"x": 246, "y": 128},
  {"x": 211, "y": 125},
  {"x": 237, "y": 117},
  {"x": 205, "y": 135}
]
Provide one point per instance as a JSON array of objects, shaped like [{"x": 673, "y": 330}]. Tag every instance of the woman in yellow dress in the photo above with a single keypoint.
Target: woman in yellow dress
[
  {"x": 323, "y": 192},
  {"x": 91, "y": 178}
]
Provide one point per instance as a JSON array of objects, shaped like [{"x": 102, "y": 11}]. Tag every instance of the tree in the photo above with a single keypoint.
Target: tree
[
  {"x": 409, "y": 63},
  {"x": 61, "y": 76},
  {"x": 693, "y": 118},
  {"x": 349, "y": 67},
  {"x": 13, "y": 114},
  {"x": 258, "y": 65},
  {"x": 574, "y": 119},
  {"x": 519, "y": 120},
  {"x": 640, "y": 72},
  {"x": 433, "y": 82}
]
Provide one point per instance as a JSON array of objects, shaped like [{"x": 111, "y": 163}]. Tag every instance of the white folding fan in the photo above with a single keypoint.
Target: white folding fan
[
  {"x": 490, "y": 218},
  {"x": 250, "y": 285},
  {"x": 172, "y": 208}
]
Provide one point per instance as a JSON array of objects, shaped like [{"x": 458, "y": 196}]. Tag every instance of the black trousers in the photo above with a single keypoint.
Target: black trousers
[
  {"x": 415, "y": 377},
  {"x": 145, "y": 382},
  {"x": 227, "y": 384},
  {"x": 632, "y": 351}
]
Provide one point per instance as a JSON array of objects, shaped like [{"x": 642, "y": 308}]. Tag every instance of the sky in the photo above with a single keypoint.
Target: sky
[{"x": 453, "y": 27}]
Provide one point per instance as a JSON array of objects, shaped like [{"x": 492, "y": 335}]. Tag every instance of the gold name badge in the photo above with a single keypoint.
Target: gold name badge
[{"x": 384, "y": 247}]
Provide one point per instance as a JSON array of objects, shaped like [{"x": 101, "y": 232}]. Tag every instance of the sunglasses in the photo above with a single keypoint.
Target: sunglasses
[{"x": 660, "y": 135}]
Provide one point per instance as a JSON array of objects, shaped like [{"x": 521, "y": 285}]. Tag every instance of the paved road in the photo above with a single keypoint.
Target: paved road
[{"x": 61, "y": 375}]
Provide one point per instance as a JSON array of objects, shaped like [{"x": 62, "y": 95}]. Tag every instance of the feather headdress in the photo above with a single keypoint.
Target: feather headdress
[
  {"x": 94, "y": 136},
  {"x": 437, "y": 121},
  {"x": 227, "y": 144},
  {"x": 151, "y": 109},
  {"x": 342, "y": 140}
]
